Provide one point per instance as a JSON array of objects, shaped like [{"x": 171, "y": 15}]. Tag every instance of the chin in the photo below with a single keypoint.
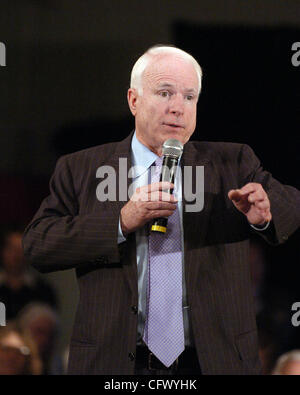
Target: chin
[
  {"x": 176, "y": 136},
  {"x": 173, "y": 134}
]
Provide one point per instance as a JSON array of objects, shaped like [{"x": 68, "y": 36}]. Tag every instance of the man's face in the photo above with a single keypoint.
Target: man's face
[{"x": 168, "y": 106}]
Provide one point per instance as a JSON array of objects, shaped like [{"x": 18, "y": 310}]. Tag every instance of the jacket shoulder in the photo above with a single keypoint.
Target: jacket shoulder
[
  {"x": 89, "y": 154},
  {"x": 218, "y": 149}
]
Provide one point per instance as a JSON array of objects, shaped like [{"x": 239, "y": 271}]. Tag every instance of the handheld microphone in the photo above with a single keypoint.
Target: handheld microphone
[{"x": 172, "y": 151}]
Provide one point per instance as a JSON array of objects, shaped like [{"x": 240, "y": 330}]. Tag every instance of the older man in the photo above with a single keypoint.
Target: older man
[{"x": 173, "y": 303}]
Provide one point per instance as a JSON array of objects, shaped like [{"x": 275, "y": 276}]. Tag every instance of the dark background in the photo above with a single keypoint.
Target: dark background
[{"x": 64, "y": 89}]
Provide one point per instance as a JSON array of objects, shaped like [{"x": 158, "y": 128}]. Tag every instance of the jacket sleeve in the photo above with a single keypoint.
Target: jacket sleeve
[
  {"x": 284, "y": 199},
  {"x": 60, "y": 238}
]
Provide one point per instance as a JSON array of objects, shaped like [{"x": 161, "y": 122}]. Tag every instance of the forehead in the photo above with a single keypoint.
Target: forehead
[{"x": 171, "y": 69}]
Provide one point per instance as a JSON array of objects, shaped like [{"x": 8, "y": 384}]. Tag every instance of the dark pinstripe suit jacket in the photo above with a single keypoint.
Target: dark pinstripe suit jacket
[{"x": 72, "y": 229}]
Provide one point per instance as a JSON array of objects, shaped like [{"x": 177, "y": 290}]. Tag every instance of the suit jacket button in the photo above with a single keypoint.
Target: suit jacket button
[
  {"x": 131, "y": 356},
  {"x": 134, "y": 309}
]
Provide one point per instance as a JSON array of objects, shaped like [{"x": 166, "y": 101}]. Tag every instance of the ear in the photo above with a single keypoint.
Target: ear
[{"x": 132, "y": 97}]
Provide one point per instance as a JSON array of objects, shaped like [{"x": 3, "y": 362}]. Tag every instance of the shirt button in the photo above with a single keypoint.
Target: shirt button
[
  {"x": 131, "y": 356},
  {"x": 134, "y": 309}
]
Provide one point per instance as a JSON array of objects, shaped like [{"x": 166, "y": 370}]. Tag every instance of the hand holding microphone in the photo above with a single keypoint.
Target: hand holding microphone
[{"x": 153, "y": 201}]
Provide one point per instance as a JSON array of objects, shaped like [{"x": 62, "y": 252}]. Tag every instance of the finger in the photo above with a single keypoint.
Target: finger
[
  {"x": 161, "y": 213},
  {"x": 269, "y": 216},
  {"x": 257, "y": 196},
  {"x": 158, "y": 186},
  {"x": 234, "y": 194},
  {"x": 160, "y": 195},
  {"x": 160, "y": 206},
  {"x": 140, "y": 195},
  {"x": 143, "y": 193},
  {"x": 155, "y": 196},
  {"x": 250, "y": 187},
  {"x": 266, "y": 215},
  {"x": 262, "y": 205}
]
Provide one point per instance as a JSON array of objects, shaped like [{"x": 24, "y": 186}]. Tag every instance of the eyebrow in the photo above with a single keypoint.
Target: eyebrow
[{"x": 167, "y": 85}]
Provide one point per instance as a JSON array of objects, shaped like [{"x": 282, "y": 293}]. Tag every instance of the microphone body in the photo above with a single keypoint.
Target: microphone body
[{"x": 172, "y": 150}]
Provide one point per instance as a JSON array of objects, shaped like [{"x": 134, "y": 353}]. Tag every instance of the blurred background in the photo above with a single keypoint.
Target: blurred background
[{"x": 64, "y": 89}]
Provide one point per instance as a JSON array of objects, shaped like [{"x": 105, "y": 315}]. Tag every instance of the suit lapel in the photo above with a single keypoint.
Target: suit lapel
[
  {"x": 123, "y": 153},
  {"x": 195, "y": 224}
]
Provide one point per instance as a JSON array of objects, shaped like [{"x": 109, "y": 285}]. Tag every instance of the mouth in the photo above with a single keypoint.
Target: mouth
[{"x": 174, "y": 125}]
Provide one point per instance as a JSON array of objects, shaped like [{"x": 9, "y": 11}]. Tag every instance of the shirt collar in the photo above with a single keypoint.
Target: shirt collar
[{"x": 142, "y": 157}]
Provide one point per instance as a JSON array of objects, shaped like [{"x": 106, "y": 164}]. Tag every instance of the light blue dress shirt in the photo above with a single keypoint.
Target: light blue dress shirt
[{"x": 142, "y": 159}]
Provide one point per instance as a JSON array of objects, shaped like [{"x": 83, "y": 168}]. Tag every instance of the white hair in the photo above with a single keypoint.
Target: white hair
[
  {"x": 290, "y": 356},
  {"x": 142, "y": 63}
]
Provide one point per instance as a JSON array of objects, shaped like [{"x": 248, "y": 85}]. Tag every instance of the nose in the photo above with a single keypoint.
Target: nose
[{"x": 177, "y": 105}]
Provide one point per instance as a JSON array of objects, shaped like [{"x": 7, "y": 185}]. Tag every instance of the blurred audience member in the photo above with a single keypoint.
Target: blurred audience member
[
  {"x": 288, "y": 364},
  {"x": 42, "y": 323},
  {"x": 19, "y": 284},
  {"x": 18, "y": 352}
]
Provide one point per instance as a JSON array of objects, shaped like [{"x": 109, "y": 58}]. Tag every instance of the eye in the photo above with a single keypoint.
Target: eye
[
  {"x": 190, "y": 97},
  {"x": 164, "y": 93}
]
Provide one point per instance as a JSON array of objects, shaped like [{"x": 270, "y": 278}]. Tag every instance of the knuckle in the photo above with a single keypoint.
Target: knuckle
[{"x": 150, "y": 214}]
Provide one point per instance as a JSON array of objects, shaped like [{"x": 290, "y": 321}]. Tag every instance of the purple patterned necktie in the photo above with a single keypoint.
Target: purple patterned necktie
[{"x": 164, "y": 333}]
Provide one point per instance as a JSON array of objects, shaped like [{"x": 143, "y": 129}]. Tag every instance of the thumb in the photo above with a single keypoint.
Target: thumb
[{"x": 235, "y": 194}]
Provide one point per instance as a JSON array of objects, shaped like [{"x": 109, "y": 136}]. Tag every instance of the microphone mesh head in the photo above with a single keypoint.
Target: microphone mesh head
[{"x": 172, "y": 147}]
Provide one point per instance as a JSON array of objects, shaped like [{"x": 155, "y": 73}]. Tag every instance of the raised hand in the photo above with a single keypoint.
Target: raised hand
[{"x": 252, "y": 200}]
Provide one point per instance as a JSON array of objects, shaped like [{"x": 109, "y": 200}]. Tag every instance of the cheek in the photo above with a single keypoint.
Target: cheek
[
  {"x": 146, "y": 112},
  {"x": 191, "y": 118},
  {"x": 154, "y": 117},
  {"x": 154, "y": 111}
]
